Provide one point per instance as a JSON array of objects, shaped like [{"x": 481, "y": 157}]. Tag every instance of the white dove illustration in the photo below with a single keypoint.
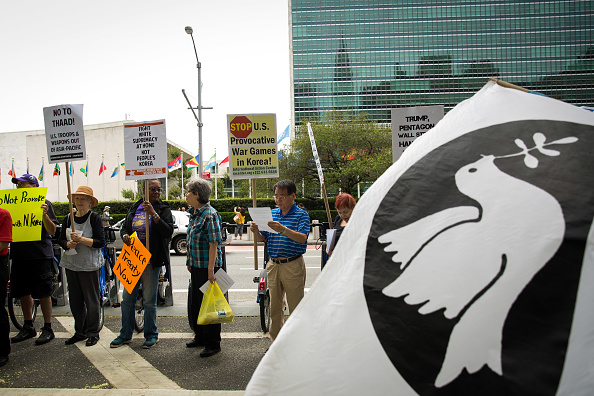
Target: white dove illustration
[{"x": 474, "y": 263}]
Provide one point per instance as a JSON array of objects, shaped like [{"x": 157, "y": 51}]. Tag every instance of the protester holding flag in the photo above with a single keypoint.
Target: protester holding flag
[
  {"x": 344, "y": 204},
  {"x": 204, "y": 254},
  {"x": 286, "y": 268},
  {"x": 5, "y": 239},
  {"x": 82, "y": 260},
  {"x": 31, "y": 270},
  {"x": 160, "y": 231}
]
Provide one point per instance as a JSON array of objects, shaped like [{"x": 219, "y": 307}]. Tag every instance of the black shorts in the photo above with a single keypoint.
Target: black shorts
[{"x": 31, "y": 277}]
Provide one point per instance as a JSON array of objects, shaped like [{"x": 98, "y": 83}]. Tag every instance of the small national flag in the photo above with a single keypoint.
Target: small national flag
[
  {"x": 11, "y": 171},
  {"x": 123, "y": 167},
  {"x": 40, "y": 178},
  {"x": 71, "y": 170},
  {"x": 284, "y": 135},
  {"x": 211, "y": 162},
  {"x": 102, "y": 168},
  {"x": 115, "y": 172},
  {"x": 57, "y": 170},
  {"x": 175, "y": 164},
  {"x": 85, "y": 168},
  {"x": 193, "y": 163},
  {"x": 226, "y": 160}
]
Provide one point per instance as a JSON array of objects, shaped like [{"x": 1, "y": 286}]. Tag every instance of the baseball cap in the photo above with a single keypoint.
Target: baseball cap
[{"x": 26, "y": 178}]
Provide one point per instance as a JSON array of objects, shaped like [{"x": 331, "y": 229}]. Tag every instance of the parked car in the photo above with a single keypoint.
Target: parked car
[{"x": 178, "y": 239}]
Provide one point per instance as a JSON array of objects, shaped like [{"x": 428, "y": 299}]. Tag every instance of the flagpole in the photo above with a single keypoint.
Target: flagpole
[
  {"x": 182, "y": 172},
  {"x": 58, "y": 184},
  {"x": 167, "y": 185},
  {"x": 69, "y": 196},
  {"x": 13, "y": 172},
  {"x": 103, "y": 172},
  {"x": 118, "y": 175},
  {"x": 215, "y": 172},
  {"x": 86, "y": 173}
]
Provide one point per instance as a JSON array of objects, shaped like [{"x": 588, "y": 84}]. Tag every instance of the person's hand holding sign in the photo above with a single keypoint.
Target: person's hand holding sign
[
  {"x": 71, "y": 244},
  {"x": 126, "y": 239},
  {"x": 74, "y": 237},
  {"x": 148, "y": 208}
]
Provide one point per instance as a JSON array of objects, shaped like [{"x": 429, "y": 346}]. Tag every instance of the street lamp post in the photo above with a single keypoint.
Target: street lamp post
[{"x": 189, "y": 30}]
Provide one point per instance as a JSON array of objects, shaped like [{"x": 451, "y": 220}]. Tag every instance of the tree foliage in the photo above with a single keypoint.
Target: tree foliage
[{"x": 351, "y": 149}]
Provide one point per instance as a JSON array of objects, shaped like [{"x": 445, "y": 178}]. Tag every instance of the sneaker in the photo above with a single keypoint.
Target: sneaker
[
  {"x": 46, "y": 336},
  {"x": 151, "y": 342},
  {"x": 26, "y": 332},
  {"x": 118, "y": 342}
]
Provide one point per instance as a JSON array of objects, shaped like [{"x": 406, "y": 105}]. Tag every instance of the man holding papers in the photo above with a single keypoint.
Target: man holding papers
[{"x": 286, "y": 246}]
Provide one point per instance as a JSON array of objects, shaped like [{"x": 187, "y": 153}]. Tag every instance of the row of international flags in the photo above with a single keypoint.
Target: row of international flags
[
  {"x": 195, "y": 163},
  {"x": 173, "y": 165},
  {"x": 57, "y": 171}
]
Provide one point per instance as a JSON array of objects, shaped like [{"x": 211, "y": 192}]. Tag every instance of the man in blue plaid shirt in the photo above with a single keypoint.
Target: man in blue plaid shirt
[
  {"x": 286, "y": 268},
  {"x": 204, "y": 257}
]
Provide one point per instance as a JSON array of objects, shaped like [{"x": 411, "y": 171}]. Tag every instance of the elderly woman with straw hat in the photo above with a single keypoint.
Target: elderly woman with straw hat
[{"x": 82, "y": 260}]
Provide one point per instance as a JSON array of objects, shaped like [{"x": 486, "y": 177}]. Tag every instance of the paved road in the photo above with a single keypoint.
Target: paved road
[{"x": 169, "y": 367}]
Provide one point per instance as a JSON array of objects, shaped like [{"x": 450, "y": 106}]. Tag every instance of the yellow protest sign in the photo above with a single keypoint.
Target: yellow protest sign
[
  {"x": 24, "y": 205},
  {"x": 253, "y": 151},
  {"x": 131, "y": 263}
]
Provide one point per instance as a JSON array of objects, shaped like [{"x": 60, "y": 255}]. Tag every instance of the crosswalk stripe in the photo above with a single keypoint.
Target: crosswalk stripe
[{"x": 122, "y": 367}]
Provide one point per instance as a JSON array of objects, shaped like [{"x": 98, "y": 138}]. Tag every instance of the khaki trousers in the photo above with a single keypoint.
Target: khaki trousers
[{"x": 286, "y": 278}]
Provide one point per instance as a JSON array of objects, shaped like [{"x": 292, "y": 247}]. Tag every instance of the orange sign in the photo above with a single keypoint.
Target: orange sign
[{"x": 131, "y": 263}]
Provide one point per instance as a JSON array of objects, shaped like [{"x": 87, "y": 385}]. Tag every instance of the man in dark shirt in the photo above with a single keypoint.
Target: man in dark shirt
[
  {"x": 160, "y": 231},
  {"x": 31, "y": 275}
]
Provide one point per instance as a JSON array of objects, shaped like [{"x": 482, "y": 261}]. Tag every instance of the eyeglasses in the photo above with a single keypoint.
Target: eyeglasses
[
  {"x": 280, "y": 197},
  {"x": 154, "y": 189}
]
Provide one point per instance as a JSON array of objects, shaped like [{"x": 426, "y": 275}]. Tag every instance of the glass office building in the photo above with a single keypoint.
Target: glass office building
[{"x": 374, "y": 55}]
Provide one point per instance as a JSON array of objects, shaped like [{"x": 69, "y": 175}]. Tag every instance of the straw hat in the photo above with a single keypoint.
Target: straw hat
[{"x": 88, "y": 192}]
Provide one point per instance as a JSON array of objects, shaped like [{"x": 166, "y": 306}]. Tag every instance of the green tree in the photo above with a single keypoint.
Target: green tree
[
  {"x": 128, "y": 194},
  {"x": 351, "y": 148},
  {"x": 220, "y": 188}
]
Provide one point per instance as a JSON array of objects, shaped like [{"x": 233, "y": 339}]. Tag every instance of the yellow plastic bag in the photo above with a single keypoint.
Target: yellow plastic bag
[{"x": 214, "y": 307}]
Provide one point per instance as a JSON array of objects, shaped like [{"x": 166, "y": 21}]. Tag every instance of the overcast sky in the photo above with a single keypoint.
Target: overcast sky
[{"x": 134, "y": 57}]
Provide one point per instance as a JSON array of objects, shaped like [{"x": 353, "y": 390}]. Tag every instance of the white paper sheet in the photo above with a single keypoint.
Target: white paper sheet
[
  {"x": 330, "y": 239},
  {"x": 223, "y": 280},
  {"x": 262, "y": 216}
]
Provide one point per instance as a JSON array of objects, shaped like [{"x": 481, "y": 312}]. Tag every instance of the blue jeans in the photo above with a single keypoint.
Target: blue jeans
[{"x": 150, "y": 283}]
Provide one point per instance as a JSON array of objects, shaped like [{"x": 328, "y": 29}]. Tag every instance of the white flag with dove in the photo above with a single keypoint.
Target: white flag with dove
[{"x": 467, "y": 268}]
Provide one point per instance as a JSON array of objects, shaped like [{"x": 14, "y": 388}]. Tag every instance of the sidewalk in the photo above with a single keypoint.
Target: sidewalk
[{"x": 166, "y": 369}]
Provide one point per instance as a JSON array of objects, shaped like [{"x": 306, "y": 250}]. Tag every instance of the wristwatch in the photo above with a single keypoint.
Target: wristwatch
[
  {"x": 155, "y": 216},
  {"x": 284, "y": 231}
]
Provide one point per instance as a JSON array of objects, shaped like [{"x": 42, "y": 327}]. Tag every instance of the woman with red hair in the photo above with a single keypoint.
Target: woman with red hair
[{"x": 344, "y": 204}]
